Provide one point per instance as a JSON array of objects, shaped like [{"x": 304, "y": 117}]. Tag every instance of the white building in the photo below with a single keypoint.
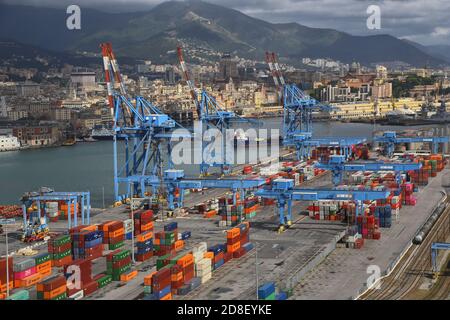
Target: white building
[
  {"x": 85, "y": 79},
  {"x": 9, "y": 143}
]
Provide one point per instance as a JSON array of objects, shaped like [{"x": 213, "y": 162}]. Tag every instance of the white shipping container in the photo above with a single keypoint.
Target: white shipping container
[
  {"x": 201, "y": 247},
  {"x": 206, "y": 277}
]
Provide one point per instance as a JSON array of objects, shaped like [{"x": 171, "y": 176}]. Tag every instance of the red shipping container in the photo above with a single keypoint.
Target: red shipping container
[
  {"x": 90, "y": 288},
  {"x": 238, "y": 253},
  {"x": 51, "y": 284},
  {"x": 144, "y": 257}
]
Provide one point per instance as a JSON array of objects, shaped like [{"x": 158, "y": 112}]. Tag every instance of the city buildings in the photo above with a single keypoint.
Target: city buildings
[{"x": 9, "y": 143}]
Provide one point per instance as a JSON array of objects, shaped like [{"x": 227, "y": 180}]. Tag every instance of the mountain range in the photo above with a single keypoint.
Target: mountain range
[{"x": 151, "y": 34}]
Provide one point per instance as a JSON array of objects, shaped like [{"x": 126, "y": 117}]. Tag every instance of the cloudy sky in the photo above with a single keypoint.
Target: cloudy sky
[{"x": 424, "y": 21}]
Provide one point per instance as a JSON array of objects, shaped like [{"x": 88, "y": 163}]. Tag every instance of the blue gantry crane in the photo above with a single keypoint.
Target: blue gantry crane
[
  {"x": 214, "y": 119},
  {"x": 389, "y": 139},
  {"x": 435, "y": 247},
  {"x": 298, "y": 108},
  {"x": 35, "y": 222},
  {"x": 284, "y": 192},
  {"x": 146, "y": 131},
  {"x": 338, "y": 166}
]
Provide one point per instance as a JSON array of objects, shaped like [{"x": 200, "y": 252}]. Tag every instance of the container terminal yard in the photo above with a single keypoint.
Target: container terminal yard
[{"x": 315, "y": 225}]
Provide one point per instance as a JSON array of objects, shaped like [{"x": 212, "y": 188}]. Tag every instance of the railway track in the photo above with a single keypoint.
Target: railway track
[{"x": 412, "y": 268}]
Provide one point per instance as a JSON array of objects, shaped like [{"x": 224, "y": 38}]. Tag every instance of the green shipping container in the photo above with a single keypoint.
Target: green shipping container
[
  {"x": 61, "y": 240},
  {"x": 42, "y": 258},
  {"x": 104, "y": 281},
  {"x": 148, "y": 289},
  {"x": 271, "y": 296},
  {"x": 58, "y": 256},
  {"x": 115, "y": 246},
  {"x": 20, "y": 295},
  {"x": 121, "y": 255},
  {"x": 39, "y": 295},
  {"x": 62, "y": 296}
]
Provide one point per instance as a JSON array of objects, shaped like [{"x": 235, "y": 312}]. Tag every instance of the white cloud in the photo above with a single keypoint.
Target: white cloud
[{"x": 440, "y": 31}]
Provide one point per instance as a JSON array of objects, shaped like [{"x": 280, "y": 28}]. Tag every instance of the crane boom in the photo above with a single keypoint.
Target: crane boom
[
  {"x": 188, "y": 80},
  {"x": 272, "y": 69},
  {"x": 277, "y": 68}
]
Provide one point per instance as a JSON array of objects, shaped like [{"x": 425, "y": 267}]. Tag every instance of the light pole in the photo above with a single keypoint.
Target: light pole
[
  {"x": 103, "y": 196},
  {"x": 7, "y": 262},
  {"x": 256, "y": 269},
  {"x": 6, "y": 222},
  {"x": 132, "y": 223}
]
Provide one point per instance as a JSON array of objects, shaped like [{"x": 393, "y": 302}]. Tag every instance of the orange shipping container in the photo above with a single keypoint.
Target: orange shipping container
[
  {"x": 56, "y": 292},
  {"x": 128, "y": 276},
  {"x": 3, "y": 286},
  {"x": 144, "y": 236},
  {"x": 44, "y": 266},
  {"x": 46, "y": 272},
  {"x": 233, "y": 247},
  {"x": 176, "y": 277},
  {"x": 148, "y": 279},
  {"x": 186, "y": 260},
  {"x": 179, "y": 244},
  {"x": 29, "y": 281},
  {"x": 148, "y": 226},
  {"x": 167, "y": 297},
  {"x": 233, "y": 233},
  {"x": 117, "y": 233},
  {"x": 90, "y": 228},
  {"x": 208, "y": 255}
]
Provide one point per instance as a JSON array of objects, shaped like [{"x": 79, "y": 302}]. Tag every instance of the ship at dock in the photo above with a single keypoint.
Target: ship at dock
[{"x": 102, "y": 133}]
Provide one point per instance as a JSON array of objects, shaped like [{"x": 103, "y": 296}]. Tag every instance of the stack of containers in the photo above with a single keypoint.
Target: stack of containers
[
  {"x": 230, "y": 214},
  {"x": 218, "y": 255},
  {"x": 61, "y": 250},
  {"x": 384, "y": 215},
  {"x": 368, "y": 227},
  {"x": 161, "y": 284},
  {"x": 3, "y": 274},
  {"x": 143, "y": 221},
  {"x": 54, "y": 288},
  {"x": 118, "y": 263},
  {"x": 64, "y": 210},
  {"x": 186, "y": 264},
  {"x": 87, "y": 244},
  {"x": 128, "y": 226},
  {"x": 250, "y": 207},
  {"x": 176, "y": 277},
  {"x": 419, "y": 177},
  {"x": 113, "y": 234},
  {"x": 43, "y": 263},
  {"x": 202, "y": 264},
  {"x": 148, "y": 283},
  {"x": 84, "y": 275},
  {"x": 242, "y": 246},
  {"x": 25, "y": 273},
  {"x": 51, "y": 209},
  {"x": 407, "y": 194},
  {"x": 164, "y": 242},
  {"x": 144, "y": 244}
]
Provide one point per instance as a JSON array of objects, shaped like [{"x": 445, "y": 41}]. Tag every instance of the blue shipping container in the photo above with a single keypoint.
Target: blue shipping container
[
  {"x": 171, "y": 226},
  {"x": 281, "y": 296},
  {"x": 162, "y": 293},
  {"x": 218, "y": 264},
  {"x": 266, "y": 290},
  {"x": 248, "y": 246},
  {"x": 185, "y": 235}
]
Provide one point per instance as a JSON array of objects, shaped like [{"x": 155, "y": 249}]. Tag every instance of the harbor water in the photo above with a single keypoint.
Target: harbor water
[{"x": 89, "y": 166}]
